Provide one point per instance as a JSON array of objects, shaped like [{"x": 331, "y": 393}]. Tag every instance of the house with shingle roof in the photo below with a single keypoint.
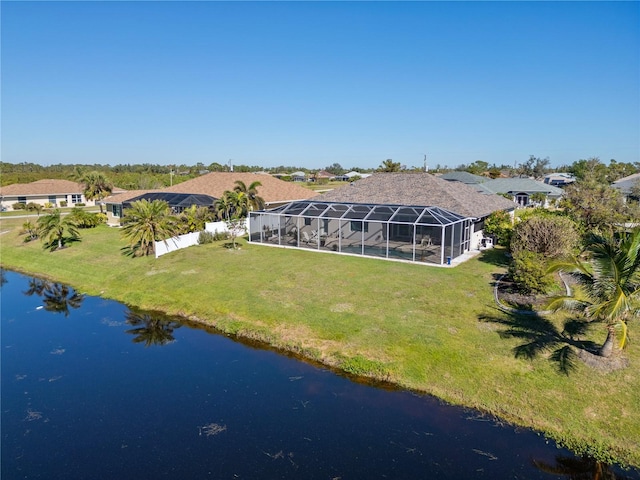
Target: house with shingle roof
[
  {"x": 274, "y": 191},
  {"x": 53, "y": 192},
  {"x": 625, "y": 184},
  {"x": 400, "y": 216},
  {"x": 521, "y": 189},
  {"x": 464, "y": 177}
]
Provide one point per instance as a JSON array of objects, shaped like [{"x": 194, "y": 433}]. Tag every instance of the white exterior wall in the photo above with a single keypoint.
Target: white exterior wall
[{"x": 6, "y": 203}]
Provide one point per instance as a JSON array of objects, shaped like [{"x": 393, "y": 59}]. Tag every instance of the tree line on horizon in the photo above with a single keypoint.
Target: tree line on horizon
[{"x": 151, "y": 176}]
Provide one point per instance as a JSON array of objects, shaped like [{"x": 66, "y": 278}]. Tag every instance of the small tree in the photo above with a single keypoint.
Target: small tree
[
  {"x": 53, "y": 227},
  {"x": 30, "y": 230},
  {"x": 237, "y": 226}
]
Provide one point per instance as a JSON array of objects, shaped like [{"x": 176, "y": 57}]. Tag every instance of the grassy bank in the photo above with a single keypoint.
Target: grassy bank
[{"x": 419, "y": 327}]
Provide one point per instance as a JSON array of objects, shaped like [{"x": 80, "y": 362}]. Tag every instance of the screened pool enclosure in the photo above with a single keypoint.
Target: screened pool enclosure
[{"x": 412, "y": 233}]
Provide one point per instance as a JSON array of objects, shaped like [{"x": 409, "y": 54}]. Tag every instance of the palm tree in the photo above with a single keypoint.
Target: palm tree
[
  {"x": 248, "y": 197},
  {"x": 194, "y": 218},
  {"x": 147, "y": 222},
  {"x": 226, "y": 205},
  {"x": 608, "y": 284},
  {"x": 96, "y": 186},
  {"x": 389, "y": 166},
  {"x": 53, "y": 227}
]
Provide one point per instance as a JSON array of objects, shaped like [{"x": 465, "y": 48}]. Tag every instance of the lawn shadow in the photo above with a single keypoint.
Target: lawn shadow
[
  {"x": 495, "y": 256},
  {"x": 541, "y": 336}
]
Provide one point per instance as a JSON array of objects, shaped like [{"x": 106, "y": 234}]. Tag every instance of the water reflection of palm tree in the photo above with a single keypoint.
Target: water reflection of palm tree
[
  {"x": 583, "y": 468},
  {"x": 151, "y": 328},
  {"x": 37, "y": 286},
  {"x": 56, "y": 297}
]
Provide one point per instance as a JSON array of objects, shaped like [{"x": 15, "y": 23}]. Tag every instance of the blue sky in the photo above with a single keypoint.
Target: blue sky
[{"x": 314, "y": 83}]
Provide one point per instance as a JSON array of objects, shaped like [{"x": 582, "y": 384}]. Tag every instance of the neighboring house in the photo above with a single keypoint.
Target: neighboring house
[
  {"x": 298, "y": 177},
  {"x": 625, "y": 184},
  {"x": 322, "y": 175},
  {"x": 559, "y": 179},
  {"x": 177, "y": 202},
  {"x": 464, "y": 177},
  {"x": 46, "y": 192},
  {"x": 408, "y": 216},
  {"x": 273, "y": 191},
  {"x": 521, "y": 189}
]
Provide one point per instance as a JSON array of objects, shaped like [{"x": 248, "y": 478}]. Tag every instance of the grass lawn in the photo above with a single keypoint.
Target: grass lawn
[{"x": 434, "y": 330}]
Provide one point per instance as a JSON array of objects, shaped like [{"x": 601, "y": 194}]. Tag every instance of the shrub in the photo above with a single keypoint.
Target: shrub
[
  {"x": 64, "y": 203},
  {"x": 84, "y": 219},
  {"x": 500, "y": 225},
  {"x": 528, "y": 271},
  {"x": 206, "y": 237},
  {"x": 19, "y": 206},
  {"x": 545, "y": 234}
]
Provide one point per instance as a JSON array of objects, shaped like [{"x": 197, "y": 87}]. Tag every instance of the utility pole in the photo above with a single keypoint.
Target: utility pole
[
  {"x": 171, "y": 177},
  {"x": 426, "y": 169},
  {"x": 230, "y": 165}
]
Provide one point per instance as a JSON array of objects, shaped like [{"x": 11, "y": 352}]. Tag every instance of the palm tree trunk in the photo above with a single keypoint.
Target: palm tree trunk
[{"x": 607, "y": 347}]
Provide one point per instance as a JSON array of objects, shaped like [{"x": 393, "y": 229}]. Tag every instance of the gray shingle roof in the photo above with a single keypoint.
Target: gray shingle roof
[
  {"x": 419, "y": 189},
  {"x": 464, "y": 177},
  {"x": 625, "y": 184},
  {"x": 521, "y": 185}
]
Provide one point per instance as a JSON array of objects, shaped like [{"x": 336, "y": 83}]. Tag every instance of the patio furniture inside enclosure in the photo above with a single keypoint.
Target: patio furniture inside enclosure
[{"x": 414, "y": 233}]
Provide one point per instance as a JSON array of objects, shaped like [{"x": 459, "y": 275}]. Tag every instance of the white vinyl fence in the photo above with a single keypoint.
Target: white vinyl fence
[{"x": 187, "y": 240}]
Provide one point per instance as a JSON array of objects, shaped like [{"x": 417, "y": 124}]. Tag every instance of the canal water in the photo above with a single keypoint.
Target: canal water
[{"x": 94, "y": 390}]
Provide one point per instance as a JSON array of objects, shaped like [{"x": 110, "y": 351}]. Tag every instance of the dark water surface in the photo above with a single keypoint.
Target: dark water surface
[{"x": 92, "y": 390}]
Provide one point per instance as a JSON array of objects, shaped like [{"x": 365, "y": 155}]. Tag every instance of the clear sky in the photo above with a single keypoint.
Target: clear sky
[{"x": 314, "y": 83}]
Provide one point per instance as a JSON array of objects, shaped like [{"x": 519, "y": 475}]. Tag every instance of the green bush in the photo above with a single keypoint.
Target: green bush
[
  {"x": 500, "y": 225},
  {"x": 205, "y": 237},
  {"x": 63, "y": 203},
  {"x": 84, "y": 219},
  {"x": 19, "y": 206},
  {"x": 528, "y": 271}
]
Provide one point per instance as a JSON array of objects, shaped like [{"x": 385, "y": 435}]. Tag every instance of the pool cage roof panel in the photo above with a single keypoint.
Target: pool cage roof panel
[
  {"x": 419, "y": 215},
  {"x": 181, "y": 200}
]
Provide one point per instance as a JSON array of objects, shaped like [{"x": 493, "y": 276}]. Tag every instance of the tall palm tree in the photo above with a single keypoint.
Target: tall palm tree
[
  {"x": 96, "y": 186},
  {"x": 608, "y": 289},
  {"x": 53, "y": 227},
  {"x": 147, "y": 222},
  {"x": 248, "y": 197},
  {"x": 226, "y": 205}
]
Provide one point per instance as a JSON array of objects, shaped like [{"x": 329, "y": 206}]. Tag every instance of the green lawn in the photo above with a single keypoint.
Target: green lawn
[{"x": 423, "y": 328}]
